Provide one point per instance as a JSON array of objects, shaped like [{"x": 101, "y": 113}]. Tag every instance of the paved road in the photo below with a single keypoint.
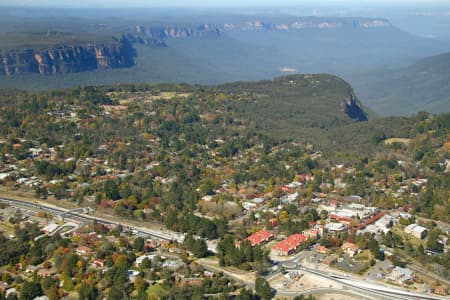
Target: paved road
[
  {"x": 322, "y": 291},
  {"x": 86, "y": 218},
  {"x": 370, "y": 288}
]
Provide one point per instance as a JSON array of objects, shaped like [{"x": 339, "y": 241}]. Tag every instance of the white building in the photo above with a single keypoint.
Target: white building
[
  {"x": 50, "y": 228},
  {"x": 416, "y": 230},
  {"x": 140, "y": 259},
  {"x": 402, "y": 274},
  {"x": 336, "y": 227}
]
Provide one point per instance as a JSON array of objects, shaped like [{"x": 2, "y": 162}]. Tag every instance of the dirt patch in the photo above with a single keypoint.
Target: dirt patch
[
  {"x": 241, "y": 275},
  {"x": 301, "y": 281},
  {"x": 336, "y": 296},
  {"x": 397, "y": 140},
  {"x": 29, "y": 196}
]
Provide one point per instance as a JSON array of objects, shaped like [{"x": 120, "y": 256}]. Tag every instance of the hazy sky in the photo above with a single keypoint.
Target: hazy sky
[{"x": 208, "y": 3}]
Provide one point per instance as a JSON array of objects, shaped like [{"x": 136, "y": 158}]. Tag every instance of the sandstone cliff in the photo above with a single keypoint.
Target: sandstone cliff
[
  {"x": 161, "y": 33},
  {"x": 72, "y": 58},
  {"x": 353, "y": 109},
  {"x": 68, "y": 58}
]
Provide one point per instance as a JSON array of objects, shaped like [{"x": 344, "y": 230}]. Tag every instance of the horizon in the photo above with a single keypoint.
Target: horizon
[{"x": 193, "y": 4}]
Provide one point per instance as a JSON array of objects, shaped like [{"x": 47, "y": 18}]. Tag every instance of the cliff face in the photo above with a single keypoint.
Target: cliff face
[
  {"x": 68, "y": 58},
  {"x": 119, "y": 53},
  {"x": 353, "y": 109},
  {"x": 309, "y": 23},
  {"x": 161, "y": 33},
  {"x": 72, "y": 58}
]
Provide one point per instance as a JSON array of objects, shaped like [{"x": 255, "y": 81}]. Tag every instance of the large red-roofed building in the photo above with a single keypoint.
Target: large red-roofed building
[
  {"x": 339, "y": 218},
  {"x": 289, "y": 245},
  {"x": 259, "y": 238}
]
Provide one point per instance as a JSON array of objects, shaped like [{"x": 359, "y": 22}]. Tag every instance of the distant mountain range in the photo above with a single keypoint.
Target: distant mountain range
[
  {"x": 228, "y": 49},
  {"x": 424, "y": 85},
  {"x": 55, "y": 52}
]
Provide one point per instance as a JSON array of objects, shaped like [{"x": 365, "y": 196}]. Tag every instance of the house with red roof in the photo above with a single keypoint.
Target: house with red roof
[
  {"x": 373, "y": 218},
  {"x": 350, "y": 248},
  {"x": 322, "y": 250},
  {"x": 289, "y": 245},
  {"x": 98, "y": 263},
  {"x": 340, "y": 218},
  {"x": 83, "y": 250},
  {"x": 311, "y": 224},
  {"x": 274, "y": 222}
]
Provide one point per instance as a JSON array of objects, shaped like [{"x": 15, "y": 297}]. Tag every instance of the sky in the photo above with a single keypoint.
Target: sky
[{"x": 208, "y": 3}]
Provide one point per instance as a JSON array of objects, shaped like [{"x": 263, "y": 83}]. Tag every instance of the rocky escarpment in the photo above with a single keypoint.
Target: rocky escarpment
[
  {"x": 161, "y": 33},
  {"x": 145, "y": 40},
  {"x": 72, "y": 58},
  {"x": 156, "y": 36},
  {"x": 353, "y": 109},
  {"x": 119, "y": 53},
  {"x": 309, "y": 23}
]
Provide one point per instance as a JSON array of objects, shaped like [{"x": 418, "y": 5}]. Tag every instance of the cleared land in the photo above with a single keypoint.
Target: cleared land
[{"x": 397, "y": 140}]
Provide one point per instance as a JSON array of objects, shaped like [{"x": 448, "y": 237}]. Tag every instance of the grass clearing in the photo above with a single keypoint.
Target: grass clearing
[
  {"x": 156, "y": 291},
  {"x": 407, "y": 237}
]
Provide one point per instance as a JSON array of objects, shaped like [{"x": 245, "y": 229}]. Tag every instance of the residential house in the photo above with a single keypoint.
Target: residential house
[
  {"x": 311, "y": 233},
  {"x": 320, "y": 229},
  {"x": 140, "y": 259},
  {"x": 193, "y": 282},
  {"x": 258, "y": 201},
  {"x": 311, "y": 224},
  {"x": 350, "y": 248},
  {"x": 31, "y": 269},
  {"x": 274, "y": 222},
  {"x": 208, "y": 274},
  {"x": 290, "y": 198},
  {"x": 132, "y": 274},
  {"x": 322, "y": 250},
  {"x": 47, "y": 272},
  {"x": 402, "y": 274},
  {"x": 173, "y": 264},
  {"x": 83, "y": 250},
  {"x": 98, "y": 263},
  {"x": 248, "y": 205}
]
